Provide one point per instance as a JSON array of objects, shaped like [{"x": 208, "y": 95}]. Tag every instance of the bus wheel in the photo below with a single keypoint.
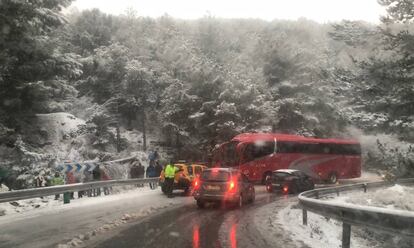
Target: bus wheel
[{"x": 333, "y": 178}]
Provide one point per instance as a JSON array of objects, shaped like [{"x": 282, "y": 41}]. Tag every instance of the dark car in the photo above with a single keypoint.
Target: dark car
[
  {"x": 289, "y": 181},
  {"x": 224, "y": 185}
]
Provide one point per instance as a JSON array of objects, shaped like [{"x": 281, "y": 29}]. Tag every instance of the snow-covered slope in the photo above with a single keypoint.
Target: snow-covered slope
[{"x": 326, "y": 232}]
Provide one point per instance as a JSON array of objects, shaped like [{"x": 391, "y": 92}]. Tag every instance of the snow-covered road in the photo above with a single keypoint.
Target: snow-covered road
[{"x": 56, "y": 224}]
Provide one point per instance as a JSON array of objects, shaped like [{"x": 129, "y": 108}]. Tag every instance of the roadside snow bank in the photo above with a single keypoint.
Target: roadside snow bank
[
  {"x": 270, "y": 227},
  {"x": 48, "y": 202},
  {"x": 394, "y": 197},
  {"x": 325, "y": 232},
  {"x": 320, "y": 231}
]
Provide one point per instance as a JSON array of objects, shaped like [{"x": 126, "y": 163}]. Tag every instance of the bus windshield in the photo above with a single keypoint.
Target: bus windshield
[{"x": 226, "y": 155}]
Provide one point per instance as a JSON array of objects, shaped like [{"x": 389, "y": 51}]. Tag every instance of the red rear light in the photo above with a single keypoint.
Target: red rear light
[
  {"x": 285, "y": 189},
  {"x": 196, "y": 183},
  {"x": 232, "y": 186}
]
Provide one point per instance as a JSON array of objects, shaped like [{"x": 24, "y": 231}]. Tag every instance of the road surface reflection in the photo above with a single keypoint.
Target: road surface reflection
[
  {"x": 233, "y": 234},
  {"x": 196, "y": 236}
]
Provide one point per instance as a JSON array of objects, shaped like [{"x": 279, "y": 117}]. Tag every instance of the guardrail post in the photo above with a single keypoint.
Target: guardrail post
[
  {"x": 317, "y": 195},
  {"x": 346, "y": 235},
  {"x": 365, "y": 187},
  {"x": 305, "y": 217}
]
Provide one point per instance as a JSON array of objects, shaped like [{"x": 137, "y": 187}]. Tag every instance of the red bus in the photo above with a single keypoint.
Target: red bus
[{"x": 258, "y": 154}]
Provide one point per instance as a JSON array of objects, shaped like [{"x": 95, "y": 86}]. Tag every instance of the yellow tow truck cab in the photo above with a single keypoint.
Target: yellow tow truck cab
[{"x": 184, "y": 177}]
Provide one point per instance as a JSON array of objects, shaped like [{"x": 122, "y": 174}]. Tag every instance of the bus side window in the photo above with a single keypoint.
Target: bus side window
[
  {"x": 263, "y": 149},
  {"x": 325, "y": 148},
  {"x": 254, "y": 151}
]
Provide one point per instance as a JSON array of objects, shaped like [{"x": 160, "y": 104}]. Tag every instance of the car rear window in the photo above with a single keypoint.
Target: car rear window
[
  {"x": 281, "y": 175},
  {"x": 219, "y": 176}
]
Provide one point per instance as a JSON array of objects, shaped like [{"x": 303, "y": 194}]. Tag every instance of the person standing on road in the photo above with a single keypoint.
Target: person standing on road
[
  {"x": 133, "y": 173},
  {"x": 40, "y": 180},
  {"x": 158, "y": 169},
  {"x": 169, "y": 173},
  {"x": 153, "y": 156},
  {"x": 106, "y": 177},
  {"x": 70, "y": 179},
  {"x": 141, "y": 172},
  {"x": 96, "y": 173},
  {"x": 150, "y": 174},
  {"x": 57, "y": 180},
  {"x": 86, "y": 177}
]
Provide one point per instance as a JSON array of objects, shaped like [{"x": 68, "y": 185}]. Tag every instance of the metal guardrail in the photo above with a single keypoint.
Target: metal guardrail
[
  {"x": 388, "y": 220},
  {"x": 54, "y": 190}
]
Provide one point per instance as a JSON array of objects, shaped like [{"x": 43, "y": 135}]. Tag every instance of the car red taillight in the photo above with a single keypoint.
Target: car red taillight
[
  {"x": 196, "y": 183},
  {"x": 285, "y": 189},
  {"x": 232, "y": 186}
]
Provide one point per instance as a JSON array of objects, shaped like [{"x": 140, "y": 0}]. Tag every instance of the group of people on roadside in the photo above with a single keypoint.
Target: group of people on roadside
[
  {"x": 137, "y": 170},
  {"x": 153, "y": 170},
  {"x": 98, "y": 174}
]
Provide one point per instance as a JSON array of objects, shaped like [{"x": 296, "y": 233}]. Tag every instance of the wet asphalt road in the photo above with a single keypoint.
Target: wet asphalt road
[
  {"x": 213, "y": 227},
  {"x": 178, "y": 223},
  {"x": 188, "y": 226}
]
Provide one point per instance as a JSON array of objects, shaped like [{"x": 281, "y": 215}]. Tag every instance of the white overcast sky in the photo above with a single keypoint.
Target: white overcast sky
[{"x": 318, "y": 10}]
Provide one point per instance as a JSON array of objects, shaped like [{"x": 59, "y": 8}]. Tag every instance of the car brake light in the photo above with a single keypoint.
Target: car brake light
[
  {"x": 196, "y": 184},
  {"x": 232, "y": 185},
  {"x": 285, "y": 189}
]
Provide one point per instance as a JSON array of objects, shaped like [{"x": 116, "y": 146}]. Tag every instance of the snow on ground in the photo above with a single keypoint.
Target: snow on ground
[
  {"x": 58, "y": 127},
  {"x": 82, "y": 239},
  {"x": 370, "y": 176},
  {"x": 325, "y": 232},
  {"x": 284, "y": 216},
  {"x": 394, "y": 197},
  {"x": 85, "y": 219},
  {"x": 273, "y": 232},
  {"x": 320, "y": 231},
  {"x": 48, "y": 202}
]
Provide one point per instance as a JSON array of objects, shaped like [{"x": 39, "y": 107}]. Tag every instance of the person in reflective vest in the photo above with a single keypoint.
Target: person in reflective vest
[
  {"x": 57, "y": 180},
  {"x": 169, "y": 173}
]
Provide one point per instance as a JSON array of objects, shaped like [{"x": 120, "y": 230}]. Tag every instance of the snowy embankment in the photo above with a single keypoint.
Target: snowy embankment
[
  {"x": 395, "y": 197},
  {"x": 83, "y": 220},
  {"x": 48, "y": 202},
  {"x": 325, "y": 232}
]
